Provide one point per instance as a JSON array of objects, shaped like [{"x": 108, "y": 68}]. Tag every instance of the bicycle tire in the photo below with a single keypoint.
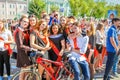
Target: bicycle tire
[
  {"x": 63, "y": 75},
  {"x": 29, "y": 76}
]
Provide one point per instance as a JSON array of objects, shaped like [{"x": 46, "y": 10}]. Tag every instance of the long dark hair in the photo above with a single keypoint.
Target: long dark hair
[{"x": 59, "y": 28}]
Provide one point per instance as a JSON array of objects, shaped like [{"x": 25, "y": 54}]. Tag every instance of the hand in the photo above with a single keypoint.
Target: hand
[
  {"x": 47, "y": 48},
  {"x": 60, "y": 54},
  {"x": 117, "y": 49},
  {"x": 43, "y": 52},
  {"x": 68, "y": 46},
  {"x": 32, "y": 49}
]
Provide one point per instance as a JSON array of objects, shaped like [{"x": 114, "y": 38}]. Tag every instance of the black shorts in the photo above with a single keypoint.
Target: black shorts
[
  {"x": 92, "y": 57},
  {"x": 99, "y": 48}
]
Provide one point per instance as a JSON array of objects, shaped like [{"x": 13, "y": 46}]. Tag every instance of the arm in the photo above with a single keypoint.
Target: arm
[
  {"x": 113, "y": 43},
  {"x": 48, "y": 43},
  {"x": 63, "y": 46},
  {"x": 33, "y": 45},
  {"x": 20, "y": 40},
  {"x": 112, "y": 40},
  {"x": 10, "y": 38}
]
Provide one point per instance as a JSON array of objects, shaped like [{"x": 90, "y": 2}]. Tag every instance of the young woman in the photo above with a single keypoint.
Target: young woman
[
  {"x": 33, "y": 21},
  {"x": 99, "y": 44},
  {"x": 5, "y": 38},
  {"x": 78, "y": 46},
  {"x": 57, "y": 41},
  {"x": 21, "y": 36},
  {"x": 39, "y": 40},
  {"x": 90, "y": 51},
  {"x": 63, "y": 22}
]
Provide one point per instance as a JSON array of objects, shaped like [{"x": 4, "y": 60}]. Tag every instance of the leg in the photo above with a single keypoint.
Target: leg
[
  {"x": 7, "y": 62},
  {"x": 1, "y": 64},
  {"x": 109, "y": 65},
  {"x": 40, "y": 69},
  {"x": 114, "y": 68},
  {"x": 91, "y": 66},
  {"x": 85, "y": 69},
  {"x": 75, "y": 67}
]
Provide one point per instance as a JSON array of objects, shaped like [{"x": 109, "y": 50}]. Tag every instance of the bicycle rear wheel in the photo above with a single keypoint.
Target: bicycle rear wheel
[{"x": 28, "y": 75}]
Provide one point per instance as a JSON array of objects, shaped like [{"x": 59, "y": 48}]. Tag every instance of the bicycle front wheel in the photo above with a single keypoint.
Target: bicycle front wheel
[
  {"x": 64, "y": 75},
  {"x": 26, "y": 75}
]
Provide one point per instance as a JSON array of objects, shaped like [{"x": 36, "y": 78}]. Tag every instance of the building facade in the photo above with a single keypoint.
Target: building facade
[{"x": 10, "y": 9}]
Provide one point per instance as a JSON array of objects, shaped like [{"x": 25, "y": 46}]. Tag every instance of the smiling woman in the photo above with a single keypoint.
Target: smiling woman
[{"x": 21, "y": 36}]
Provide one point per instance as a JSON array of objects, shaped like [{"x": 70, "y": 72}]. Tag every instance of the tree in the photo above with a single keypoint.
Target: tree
[
  {"x": 100, "y": 10},
  {"x": 36, "y": 7},
  {"x": 88, "y": 8},
  {"x": 53, "y": 7},
  {"x": 116, "y": 7},
  {"x": 75, "y": 6}
]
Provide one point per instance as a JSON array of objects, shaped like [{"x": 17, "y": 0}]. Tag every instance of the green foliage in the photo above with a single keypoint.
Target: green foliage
[
  {"x": 88, "y": 8},
  {"x": 53, "y": 7},
  {"x": 36, "y": 7},
  {"x": 116, "y": 7}
]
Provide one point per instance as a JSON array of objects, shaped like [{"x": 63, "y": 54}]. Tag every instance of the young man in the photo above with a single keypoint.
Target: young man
[{"x": 111, "y": 46}]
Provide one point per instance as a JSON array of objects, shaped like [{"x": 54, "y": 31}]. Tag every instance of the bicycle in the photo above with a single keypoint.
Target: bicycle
[{"x": 62, "y": 73}]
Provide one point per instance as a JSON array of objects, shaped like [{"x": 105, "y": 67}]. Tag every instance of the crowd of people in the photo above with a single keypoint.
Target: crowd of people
[{"x": 87, "y": 40}]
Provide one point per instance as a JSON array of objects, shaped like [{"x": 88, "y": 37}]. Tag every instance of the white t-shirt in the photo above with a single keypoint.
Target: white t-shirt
[
  {"x": 5, "y": 36},
  {"x": 99, "y": 37},
  {"x": 82, "y": 43}
]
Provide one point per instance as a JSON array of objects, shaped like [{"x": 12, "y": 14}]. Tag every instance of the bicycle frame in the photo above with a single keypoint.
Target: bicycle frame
[{"x": 60, "y": 65}]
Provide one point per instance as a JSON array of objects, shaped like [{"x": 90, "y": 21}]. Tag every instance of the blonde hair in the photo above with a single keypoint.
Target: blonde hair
[
  {"x": 3, "y": 29},
  {"x": 45, "y": 31},
  {"x": 92, "y": 30}
]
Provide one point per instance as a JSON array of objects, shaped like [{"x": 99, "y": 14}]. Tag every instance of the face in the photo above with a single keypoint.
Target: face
[
  {"x": 56, "y": 15},
  {"x": 76, "y": 29},
  {"x": 47, "y": 19},
  {"x": 88, "y": 26},
  {"x": 43, "y": 26},
  {"x": 1, "y": 25},
  {"x": 70, "y": 25},
  {"x": 32, "y": 21},
  {"x": 55, "y": 29},
  {"x": 63, "y": 21},
  {"x": 24, "y": 23},
  {"x": 117, "y": 23},
  {"x": 106, "y": 22}
]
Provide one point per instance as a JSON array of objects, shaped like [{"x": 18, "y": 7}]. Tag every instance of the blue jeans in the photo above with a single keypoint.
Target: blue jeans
[
  {"x": 109, "y": 64},
  {"x": 114, "y": 68},
  {"x": 84, "y": 66}
]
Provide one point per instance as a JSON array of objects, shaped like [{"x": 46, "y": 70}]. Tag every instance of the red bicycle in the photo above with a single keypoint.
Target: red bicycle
[{"x": 63, "y": 72}]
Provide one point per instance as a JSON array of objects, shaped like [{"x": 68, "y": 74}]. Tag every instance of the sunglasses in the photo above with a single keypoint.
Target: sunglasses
[{"x": 56, "y": 15}]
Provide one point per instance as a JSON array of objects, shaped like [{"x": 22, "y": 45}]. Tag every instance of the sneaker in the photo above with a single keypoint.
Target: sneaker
[
  {"x": 9, "y": 77},
  {"x": 115, "y": 74},
  {"x": 111, "y": 77},
  {"x": 1, "y": 78}
]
